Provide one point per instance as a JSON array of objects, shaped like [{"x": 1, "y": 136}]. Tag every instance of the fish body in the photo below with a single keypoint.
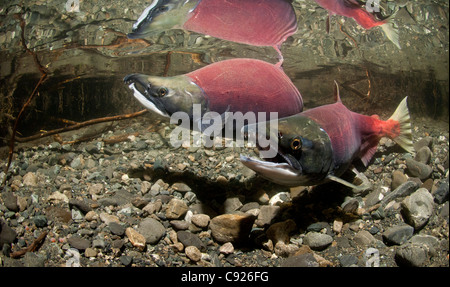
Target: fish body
[
  {"x": 253, "y": 22},
  {"x": 236, "y": 85},
  {"x": 320, "y": 144},
  {"x": 352, "y": 9}
]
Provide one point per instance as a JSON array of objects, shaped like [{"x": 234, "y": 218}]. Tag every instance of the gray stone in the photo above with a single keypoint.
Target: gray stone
[
  {"x": 397, "y": 235},
  {"x": 418, "y": 208},
  {"x": 317, "y": 241},
  {"x": 347, "y": 260},
  {"x": 404, "y": 189},
  {"x": 231, "y": 204},
  {"x": 152, "y": 230},
  {"x": 78, "y": 242},
  {"x": 441, "y": 193},
  {"x": 31, "y": 259},
  {"x": 302, "y": 260},
  {"x": 40, "y": 221},
  {"x": 418, "y": 169},
  {"x": 116, "y": 228},
  {"x": 7, "y": 234},
  {"x": 231, "y": 227},
  {"x": 190, "y": 239},
  {"x": 423, "y": 155},
  {"x": 424, "y": 142},
  {"x": 398, "y": 178},
  {"x": 126, "y": 260},
  {"x": 180, "y": 224},
  {"x": 411, "y": 255},
  {"x": 364, "y": 238},
  {"x": 10, "y": 201},
  {"x": 374, "y": 197},
  {"x": 267, "y": 214}
]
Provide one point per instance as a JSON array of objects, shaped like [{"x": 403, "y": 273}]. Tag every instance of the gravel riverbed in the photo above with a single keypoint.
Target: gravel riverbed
[{"x": 127, "y": 198}]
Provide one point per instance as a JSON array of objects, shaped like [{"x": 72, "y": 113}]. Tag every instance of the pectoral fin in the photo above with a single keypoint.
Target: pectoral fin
[{"x": 364, "y": 186}]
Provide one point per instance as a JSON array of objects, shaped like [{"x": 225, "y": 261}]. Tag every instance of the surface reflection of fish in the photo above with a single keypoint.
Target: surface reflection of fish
[
  {"x": 237, "y": 85},
  {"x": 253, "y": 22},
  {"x": 320, "y": 144},
  {"x": 353, "y": 9}
]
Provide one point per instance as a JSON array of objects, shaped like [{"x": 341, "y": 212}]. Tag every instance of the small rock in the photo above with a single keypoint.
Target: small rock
[
  {"x": 398, "y": 178},
  {"x": 347, "y": 260},
  {"x": 193, "y": 253},
  {"x": 58, "y": 197},
  {"x": 418, "y": 169},
  {"x": 441, "y": 193},
  {"x": 126, "y": 260},
  {"x": 10, "y": 201},
  {"x": 78, "y": 243},
  {"x": 152, "y": 230},
  {"x": 180, "y": 224},
  {"x": 176, "y": 208},
  {"x": 302, "y": 260},
  {"x": 404, "y": 189},
  {"x": 280, "y": 231},
  {"x": 423, "y": 155},
  {"x": 317, "y": 241},
  {"x": 200, "y": 220},
  {"x": 30, "y": 179},
  {"x": 231, "y": 204},
  {"x": 227, "y": 248},
  {"x": 152, "y": 207},
  {"x": 7, "y": 234},
  {"x": 397, "y": 235},
  {"x": 190, "y": 239},
  {"x": 107, "y": 218},
  {"x": 91, "y": 216},
  {"x": 136, "y": 239},
  {"x": 364, "y": 238},
  {"x": 32, "y": 259},
  {"x": 426, "y": 141},
  {"x": 337, "y": 225},
  {"x": 81, "y": 205},
  {"x": 139, "y": 202},
  {"x": 116, "y": 228},
  {"x": 181, "y": 187},
  {"x": 231, "y": 227},
  {"x": 412, "y": 255},
  {"x": 90, "y": 252},
  {"x": 40, "y": 220},
  {"x": 267, "y": 214},
  {"x": 418, "y": 208}
]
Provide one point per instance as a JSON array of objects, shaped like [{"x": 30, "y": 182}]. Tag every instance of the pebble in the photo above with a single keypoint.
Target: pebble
[
  {"x": 78, "y": 242},
  {"x": 441, "y": 193},
  {"x": 423, "y": 155},
  {"x": 364, "y": 238},
  {"x": 397, "y": 235},
  {"x": 152, "y": 230},
  {"x": 10, "y": 201},
  {"x": 90, "y": 252},
  {"x": 348, "y": 260},
  {"x": 404, "y": 189},
  {"x": 40, "y": 221},
  {"x": 136, "y": 239},
  {"x": 193, "y": 253},
  {"x": 181, "y": 187},
  {"x": 398, "y": 178},
  {"x": 7, "y": 234},
  {"x": 116, "y": 228},
  {"x": 190, "y": 239},
  {"x": 267, "y": 214},
  {"x": 227, "y": 248},
  {"x": 302, "y": 260},
  {"x": 201, "y": 220},
  {"x": 411, "y": 255},
  {"x": 231, "y": 204},
  {"x": 317, "y": 241},
  {"x": 418, "y": 208},
  {"x": 233, "y": 228},
  {"x": 176, "y": 209},
  {"x": 418, "y": 169},
  {"x": 280, "y": 231},
  {"x": 30, "y": 179}
]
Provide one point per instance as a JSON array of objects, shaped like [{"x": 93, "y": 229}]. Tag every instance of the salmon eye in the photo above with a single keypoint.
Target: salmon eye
[
  {"x": 163, "y": 92},
  {"x": 296, "y": 144}
]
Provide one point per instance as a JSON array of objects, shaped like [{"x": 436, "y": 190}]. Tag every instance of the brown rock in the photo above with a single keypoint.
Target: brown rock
[{"x": 231, "y": 227}]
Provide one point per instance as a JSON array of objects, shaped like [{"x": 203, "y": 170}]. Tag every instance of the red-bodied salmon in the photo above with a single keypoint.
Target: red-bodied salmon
[
  {"x": 320, "y": 144},
  {"x": 236, "y": 85},
  {"x": 353, "y": 9},
  {"x": 253, "y": 22}
]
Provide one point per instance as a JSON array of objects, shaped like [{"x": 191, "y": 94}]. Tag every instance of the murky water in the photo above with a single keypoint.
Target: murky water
[{"x": 85, "y": 55}]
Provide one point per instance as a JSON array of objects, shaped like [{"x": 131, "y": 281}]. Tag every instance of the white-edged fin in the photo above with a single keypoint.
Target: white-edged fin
[
  {"x": 337, "y": 95},
  {"x": 145, "y": 102},
  {"x": 343, "y": 182},
  {"x": 364, "y": 186},
  {"x": 401, "y": 115},
  {"x": 391, "y": 31}
]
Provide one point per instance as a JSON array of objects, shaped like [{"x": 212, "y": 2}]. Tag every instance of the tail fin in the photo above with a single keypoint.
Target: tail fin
[
  {"x": 401, "y": 115},
  {"x": 390, "y": 31}
]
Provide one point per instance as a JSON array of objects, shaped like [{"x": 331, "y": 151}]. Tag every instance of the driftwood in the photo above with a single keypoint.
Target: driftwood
[
  {"x": 81, "y": 125},
  {"x": 33, "y": 247}
]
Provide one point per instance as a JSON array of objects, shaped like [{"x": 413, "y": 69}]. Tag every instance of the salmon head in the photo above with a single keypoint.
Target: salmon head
[
  {"x": 162, "y": 15},
  {"x": 303, "y": 154},
  {"x": 166, "y": 95}
]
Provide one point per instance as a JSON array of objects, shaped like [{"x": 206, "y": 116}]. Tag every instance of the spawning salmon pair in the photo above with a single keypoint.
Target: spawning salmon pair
[{"x": 312, "y": 146}]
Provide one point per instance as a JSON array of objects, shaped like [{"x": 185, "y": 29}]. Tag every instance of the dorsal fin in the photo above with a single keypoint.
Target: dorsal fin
[{"x": 337, "y": 96}]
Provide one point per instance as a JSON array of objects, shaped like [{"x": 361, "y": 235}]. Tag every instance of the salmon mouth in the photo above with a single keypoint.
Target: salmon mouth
[{"x": 142, "y": 92}]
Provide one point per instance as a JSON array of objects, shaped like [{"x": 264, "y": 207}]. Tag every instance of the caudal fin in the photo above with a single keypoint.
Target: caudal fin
[
  {"x": 391, "y": 31},
  {"x": 401, "y": 115}
]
